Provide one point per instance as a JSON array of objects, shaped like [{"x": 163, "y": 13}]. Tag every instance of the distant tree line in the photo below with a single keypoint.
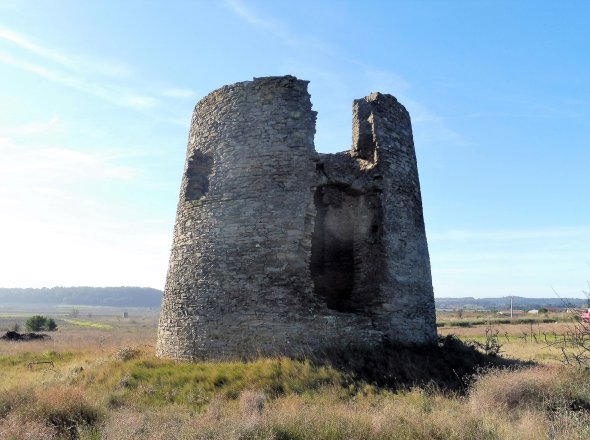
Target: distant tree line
[{"x": 90, "y": 296}]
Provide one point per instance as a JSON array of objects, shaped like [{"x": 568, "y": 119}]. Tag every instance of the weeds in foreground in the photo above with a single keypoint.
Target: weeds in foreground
[
  {"x": 403, "y": 415},
  {"x": 491, "y": 345},
  {"x": 142, "y": 397}
]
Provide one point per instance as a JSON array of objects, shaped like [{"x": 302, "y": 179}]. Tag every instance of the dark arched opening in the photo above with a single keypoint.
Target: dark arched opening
[{"x": 332, "y": 246}]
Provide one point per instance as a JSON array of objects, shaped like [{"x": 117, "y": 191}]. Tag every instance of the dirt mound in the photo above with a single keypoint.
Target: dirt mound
[{"x": 15, "y": 336}]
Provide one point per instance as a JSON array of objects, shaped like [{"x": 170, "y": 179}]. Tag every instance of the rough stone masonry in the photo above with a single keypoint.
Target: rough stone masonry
[{"x": 281, "y": 250}]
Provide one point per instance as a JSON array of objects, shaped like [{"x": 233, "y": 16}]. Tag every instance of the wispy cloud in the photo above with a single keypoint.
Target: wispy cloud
[
  {"x": 247, "y": 14},
  {"x": 328, "y": 61},
  {"x": 52, "y": 165},
  {"x": 279, "y": 29},
  {"x": 274, "y": 26},
  {"x": 115, "y": 94},
  {"x": 30, "y": 128},
  {"x": 101, "y": 78},
  {"x": 36, "y": 162},
  {"x": 69, "y": 61}
]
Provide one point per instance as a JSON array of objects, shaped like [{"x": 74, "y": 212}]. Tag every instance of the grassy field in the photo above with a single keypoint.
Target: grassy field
[
  {"x": 105, "y": 383},
  {"x": 537, "y": 338},
  {"x": 92, "y": 324}
]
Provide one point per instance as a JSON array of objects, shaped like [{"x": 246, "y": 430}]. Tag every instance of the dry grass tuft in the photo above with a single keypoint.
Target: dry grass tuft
[
  {"x": 14, "y": 398},
  {"x": 509, "y": 390},
  {"x": 130, "y": 424},
  {"x": 64, "y": 408},
  {"x": 539, "y": 388},
  {"x": 252, "y": 402},
  {"x": 127, "y": 353},
  {"x": 20, "y": 427},
  {"x": 60, "y": 408}
]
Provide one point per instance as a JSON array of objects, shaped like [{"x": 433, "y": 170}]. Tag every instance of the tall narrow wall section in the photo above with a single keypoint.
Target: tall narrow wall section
[{"x": 279, "y": 249}]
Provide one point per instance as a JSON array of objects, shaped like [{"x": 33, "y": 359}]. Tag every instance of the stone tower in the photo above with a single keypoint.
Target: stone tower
[{"x": 279, "y": 249}]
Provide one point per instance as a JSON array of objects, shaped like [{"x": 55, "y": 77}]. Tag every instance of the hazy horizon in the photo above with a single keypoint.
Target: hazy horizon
[{"x": 554, "y": 296}]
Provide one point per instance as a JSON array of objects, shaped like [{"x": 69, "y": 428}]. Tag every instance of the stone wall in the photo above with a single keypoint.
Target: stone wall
[{"x": 279, "y": 249}]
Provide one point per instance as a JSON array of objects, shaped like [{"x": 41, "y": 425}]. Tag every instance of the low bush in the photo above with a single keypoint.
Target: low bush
[{"x": 40, "y": 323}]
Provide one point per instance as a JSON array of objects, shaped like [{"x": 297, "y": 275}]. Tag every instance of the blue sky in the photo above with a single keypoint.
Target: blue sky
[{"x": 96, "y": 99}]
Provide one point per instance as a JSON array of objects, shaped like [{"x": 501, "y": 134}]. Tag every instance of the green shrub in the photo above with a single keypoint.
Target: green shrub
[{"x": 37, "y": 323}]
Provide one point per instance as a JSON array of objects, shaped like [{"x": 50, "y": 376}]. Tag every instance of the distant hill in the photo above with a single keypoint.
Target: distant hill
[
  {"x": 87, "y": 296},
  {"x": 504, "y": 303},
  {"x": 148, "y": 297}
]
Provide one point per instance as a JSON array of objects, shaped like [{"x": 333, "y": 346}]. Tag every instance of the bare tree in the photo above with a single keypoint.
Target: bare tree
[{"x": 575, "y": 343}]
